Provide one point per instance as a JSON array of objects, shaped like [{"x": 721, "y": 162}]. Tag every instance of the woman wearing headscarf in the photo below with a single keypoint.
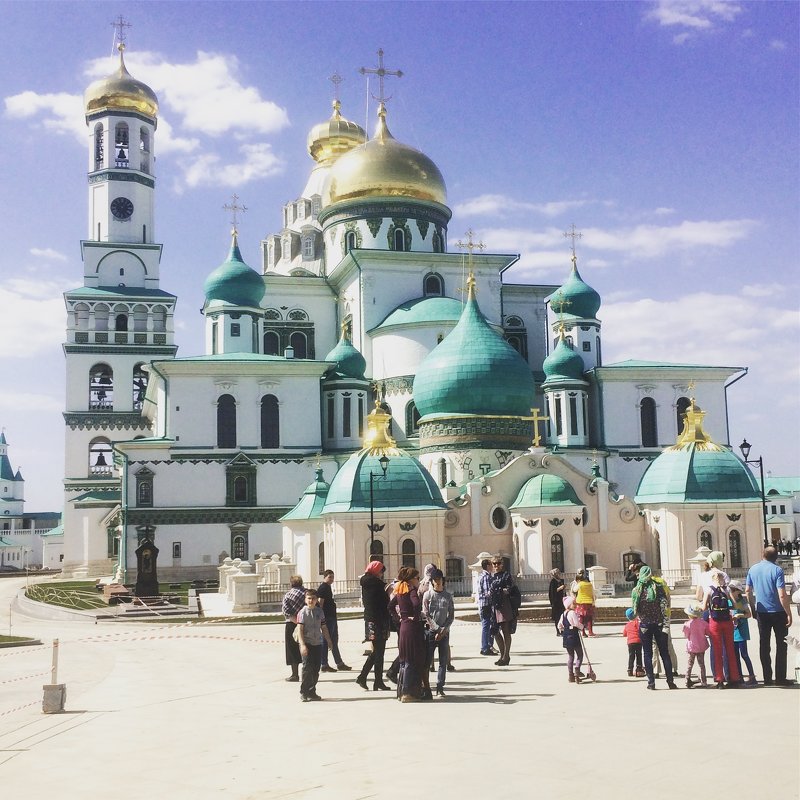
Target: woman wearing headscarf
[
  {"x": 406, "y": 604},
  {"x": 376, "y": 622},
  {"x": 650, "y": 602},
  {"x": 584, "y": 602},
  {"x": 555, "y": 594}
]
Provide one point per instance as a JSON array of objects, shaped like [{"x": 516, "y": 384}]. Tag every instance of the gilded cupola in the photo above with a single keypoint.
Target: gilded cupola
[
  {"x": 335, "y": 137},
  {"x": 120, "y": 91}
]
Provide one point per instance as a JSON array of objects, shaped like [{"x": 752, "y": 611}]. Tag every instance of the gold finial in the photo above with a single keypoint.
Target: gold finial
[
  {"x": 573, "y": 234},
  {"x": 378, "y": 440},
  {"x": 693, "y": 433},
  {"x": 235, "y": 208},
  {"x": 382, "y": 73},
  {"x": 536, "y": 420},
  {"x": 690, "y": 388}
]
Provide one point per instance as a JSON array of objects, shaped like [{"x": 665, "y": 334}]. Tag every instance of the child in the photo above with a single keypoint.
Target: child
[
  {"x": 311, "y": 630},
  {"x": 439, "y": 612},
  {"x": 570, "y": 628},
  {"x": 741, "y": 632},
  {"x": 695, "y": 629},
  {"x": 631, "y": 633}
]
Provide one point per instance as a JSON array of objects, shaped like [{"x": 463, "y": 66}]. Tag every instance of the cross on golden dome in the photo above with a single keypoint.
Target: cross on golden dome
[
  {"x": 382, "y": 73},
  {"x": 120, "y": 23}
]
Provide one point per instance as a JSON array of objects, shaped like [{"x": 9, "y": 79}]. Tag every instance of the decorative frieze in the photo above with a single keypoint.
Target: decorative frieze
[
  {"x": 463, "y": 433},
  {"x": 203, "y": 516},
  {"x": 131, "y": 420}
]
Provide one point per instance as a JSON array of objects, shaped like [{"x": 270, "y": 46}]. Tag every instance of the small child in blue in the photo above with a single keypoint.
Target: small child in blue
[
  {"x": 740, "y": 610},
  {"x": 570, "y": 628}
]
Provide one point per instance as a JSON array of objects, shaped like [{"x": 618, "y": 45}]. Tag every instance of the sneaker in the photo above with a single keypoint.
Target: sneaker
[
  {"x": 304, "y": 698},
  {"x": 313, "y": 696},
  {"x": 440, "y": 692},
  {"x": 651, "y": 686},
  {"x": 408, "y": 698},
  {"x": 751, "y": 681},
  {"x": 293, "y": 679},
  {"x": 343, "y": 667},
  {"x": 719, "y": 685},
  {"x": 327, "y": 669},
  {"x": 672, "y": 684}
]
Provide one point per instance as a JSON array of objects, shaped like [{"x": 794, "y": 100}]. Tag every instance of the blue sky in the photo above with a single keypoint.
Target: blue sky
[{"x": 667, "y": 132}]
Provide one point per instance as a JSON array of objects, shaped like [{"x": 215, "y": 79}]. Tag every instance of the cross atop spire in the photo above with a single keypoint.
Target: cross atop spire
[
  {"x": 119, "y": 24},
  {"x": 558, "y": 302},
  {"x": 382, "y": 73},
  {"x": 469, "y": 245},
  {"x": 234, "y": 208},
  {"x": 573, "y": 234},
  {"x": 336, "y": 80}
]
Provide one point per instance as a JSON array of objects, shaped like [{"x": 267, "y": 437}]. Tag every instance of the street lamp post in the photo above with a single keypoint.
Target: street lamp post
[
  {"x": 745, "y": 447},
  {"x": 384, "y": 462}
]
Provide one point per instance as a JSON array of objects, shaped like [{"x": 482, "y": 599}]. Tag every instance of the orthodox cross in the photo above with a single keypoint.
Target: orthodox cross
[
  {"x": 234, "y": 208},
  {"x": 537, "y": 438},
  {"x": 336, "y": 79},
  {"x": 469, "y": 246},
  {"x": 120, "y": 23},
  {"x": 574, "y": 235},
  {"x": 558, "y": 303},
  {"x": 381, "y": 72}
]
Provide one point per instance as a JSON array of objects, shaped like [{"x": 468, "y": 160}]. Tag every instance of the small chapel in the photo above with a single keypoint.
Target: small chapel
[{"x": 365, "y": 390}]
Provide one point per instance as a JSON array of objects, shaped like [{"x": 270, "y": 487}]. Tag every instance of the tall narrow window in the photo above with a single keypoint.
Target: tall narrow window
[
  {"x": 573, "y": 415},
  {"x": 331, "y": 419},
  {"x": 360, "y": 417},
  {"x": 121, "y": 145},
  {"x": 226, "y": 421},
  {"x": 350, "y": 241},
  {"x": 240, "y": 489},
  {"x": 399, "y": 239},
  {"x": 214, "y": 333},
  {"x": 99, "y": 147},
  {"x": 101, "y": 461},
  {"x": 559, "y": 424},
  {"x": 321, "y": 558},
  {"x": 144, "y": 150},
  {"x": 239, "y": 546},
  {"x": 139, "y": 386},
  {"x": 412, "y": 419},
  {"x": 442, "y": 472},
  {"x": 346, "y": 421},
  {"x": 272, "y": 344},
  {"x": 680, "y": 410},
  {"x": 376, "y": 550},
  {"x": 557, "y": 551},
  {"x": 159, "y": 319},
  {"x": 101, "y": 388},
  {"x": 121, "y": 322},
  {"x": 735, "y": 548},
  {"x": 409, "y": 553},
  {"x": 270, "y": 422},
  {"x": 705, "y": 540},
  {"x": 433, "y": 285},
  {"x": 647, "y": 413},
  {"x": 299, "y": 344}
]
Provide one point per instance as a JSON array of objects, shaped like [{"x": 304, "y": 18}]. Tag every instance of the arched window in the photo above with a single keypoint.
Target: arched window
[
  {"x": 240, "y": 489},
  {"x": 101, "y": 388},
  {"x": 121, "y": 322},
  {"x": 226, "y": 421},
  {"x": 376, "y": 553},
  {"x": 121, "y": 145},
  {"x": 308, "y": 247},
  {"x": 144, "y": 493},
  {"x": 412, "y": 419},
  {"x": 101, "y": 317},
  {"x": 299, "y": 343},
  {"x": 321, "y": 558},
  {"x": 647, "y": 413},
  {"x": 437, "y": 242},
  {"x": 140, "y": 318},
  {"x": 159, "y": 319},
  {"x": 82, "y": 317},
  {"x": 99, "y": 148},
  {"x": 239, "y": 546},
  {"x": 433, "y": 285},
  {"x": 680, "y": 410},
  {"x": 442, "y": 472},
  {"x": 557, "y": 551},
  {"x": 409, "y": 553},
  {"x": 735, "y": 548},
  {"x": 144, "y": 150},
  {"x": 272, "y": 343},
  {"x": 597, "y": 350},
  {"x": 139, "y": 386},
  {"x": 101, "y": 461},
  {"x": 705, "y": 540},
  {"x": 399, "y": 239},
  {"x": 350, "y": 241},
  {"x": 270, "y": 422}
]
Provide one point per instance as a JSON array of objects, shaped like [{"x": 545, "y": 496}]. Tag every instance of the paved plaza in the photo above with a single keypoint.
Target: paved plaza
[{"x": 199, "y": 711}]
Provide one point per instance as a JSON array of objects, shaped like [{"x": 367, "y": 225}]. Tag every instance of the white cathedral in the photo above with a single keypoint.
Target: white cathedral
[{"x": 365, "y": 390}]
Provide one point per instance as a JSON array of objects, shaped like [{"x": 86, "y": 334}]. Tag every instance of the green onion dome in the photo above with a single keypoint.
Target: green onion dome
[
  {"x": 234, "y": 282},
  {"x": 575, "y": 297},
  {"x": 473, "y": 371},
  {"x": 696, "y": 470},
  {"x": 349, "y": 362},
  {"x": 563, "y": 363},
  {"x": 546, "y": 490},
  {"x": 423, "y": 311}
]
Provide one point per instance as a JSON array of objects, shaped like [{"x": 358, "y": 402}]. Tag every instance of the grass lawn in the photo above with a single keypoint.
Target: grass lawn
[
  {"x": 14, "y": 639},
  {"x": 84, "y": 594}
]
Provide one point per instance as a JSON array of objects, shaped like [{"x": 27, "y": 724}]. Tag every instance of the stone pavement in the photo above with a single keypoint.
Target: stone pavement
[{"x": 178, "y": 711}]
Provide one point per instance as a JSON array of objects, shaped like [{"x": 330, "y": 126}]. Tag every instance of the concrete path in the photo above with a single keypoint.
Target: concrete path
[{"x": 201, "y": 711}]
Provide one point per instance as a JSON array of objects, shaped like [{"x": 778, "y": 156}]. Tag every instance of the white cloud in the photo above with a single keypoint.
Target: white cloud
[
  {"x": 497, "y": 204},
  {"x": 777, "y": 44},
  {"x": 61, "y": 113},
  {"x": 47, "y": 253},
  {"x": 693, "y": 16},
  {"x": 258, "y": 161},
  {"x": 35, "y": 307}
]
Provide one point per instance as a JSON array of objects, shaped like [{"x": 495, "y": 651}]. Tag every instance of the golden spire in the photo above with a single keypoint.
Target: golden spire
[
  {"x": 378, "y": 440},
  {"x": 693, "y": 433},
  {"x": 573, "y": 234}
]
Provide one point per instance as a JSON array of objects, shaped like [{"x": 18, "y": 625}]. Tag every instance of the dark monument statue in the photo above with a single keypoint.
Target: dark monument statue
[{"x": 146, "y": 577}]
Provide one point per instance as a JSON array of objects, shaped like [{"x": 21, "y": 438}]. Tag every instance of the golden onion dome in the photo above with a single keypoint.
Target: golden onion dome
[
  {"x": 331, "y": 139},
  {"x": 384, "y": 167},
  {"x": 121, "y": 92}
]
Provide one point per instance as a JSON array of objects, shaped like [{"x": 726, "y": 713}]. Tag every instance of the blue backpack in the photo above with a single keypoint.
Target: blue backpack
[{"x": 718, "y": 604}]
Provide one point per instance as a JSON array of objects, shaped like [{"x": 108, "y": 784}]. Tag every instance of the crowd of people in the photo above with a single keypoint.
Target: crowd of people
[{"x": 421, "y": 611}]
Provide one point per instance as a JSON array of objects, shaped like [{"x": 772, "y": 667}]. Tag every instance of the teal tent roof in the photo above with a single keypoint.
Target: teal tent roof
[
  {"x": 349, "y": 362},
  {"x": 234, "y": 282},
  {"x": 312, "y": 502},
  {"x": 563, "y": 363},
  {"x": 422, "y": 310},
  {"x": 407, "y": 485},
  {"x": 100, "y": 496},
  {"x": 6, "y": 471},
  {"x": 575, "y": 297},
  {"x": 546, "y": 490},
  {"x": 473, "y": 371},
  {"x": 696, "y": 475}
]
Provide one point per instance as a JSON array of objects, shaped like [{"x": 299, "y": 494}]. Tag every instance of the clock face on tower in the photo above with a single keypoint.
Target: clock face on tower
[{"x": 121, "y": 208}]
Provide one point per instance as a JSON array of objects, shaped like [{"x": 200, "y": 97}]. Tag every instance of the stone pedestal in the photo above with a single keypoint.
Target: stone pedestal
[
  {"x": 696, "y": 564},
  {"x": 244, "y": 591},
  {"x": 223, "y": 570},
  {"x": 55, "y": 696},
  {"x": 598, "y": 577}
]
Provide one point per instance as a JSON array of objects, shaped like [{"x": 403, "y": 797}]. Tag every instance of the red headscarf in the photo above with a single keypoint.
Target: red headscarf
[{"x": 375, "y": 568}]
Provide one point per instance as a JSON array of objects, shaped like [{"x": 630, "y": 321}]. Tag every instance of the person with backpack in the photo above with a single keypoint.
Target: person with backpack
[
  {"x": 650, "y": 603},
  {"x": 720, "y": 629},
  {"x": 570, "y": 627}
]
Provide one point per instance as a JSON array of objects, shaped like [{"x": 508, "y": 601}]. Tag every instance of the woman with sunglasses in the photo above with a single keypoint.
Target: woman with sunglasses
[{"x": 500, "y": 587}]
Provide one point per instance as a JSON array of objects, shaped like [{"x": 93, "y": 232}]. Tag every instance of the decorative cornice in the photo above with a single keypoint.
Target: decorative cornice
[
  {"x": 400, "y": 384},
  {"x": 347, "y": 210},
  {"x": 203, "y": 516},
  {"x": 122, "y": 349},
  {"x": 222, "y": 458},
  {"x": 79, "y": 420},
  {"x": 118, "y": 175}
]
